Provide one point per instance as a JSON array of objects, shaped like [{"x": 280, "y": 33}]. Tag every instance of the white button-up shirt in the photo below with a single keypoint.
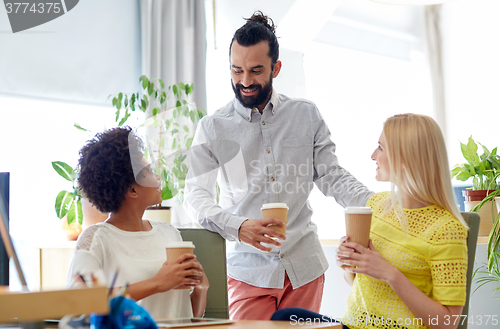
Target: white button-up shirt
[{"x": 274, "y": 157}]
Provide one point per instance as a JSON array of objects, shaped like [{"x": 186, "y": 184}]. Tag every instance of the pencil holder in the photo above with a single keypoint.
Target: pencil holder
[{"x": 124, "y": 313}]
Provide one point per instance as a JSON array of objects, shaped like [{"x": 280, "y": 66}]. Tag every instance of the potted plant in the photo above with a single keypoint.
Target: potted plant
[
  {"x": 490, "y": 272},
  {"x": 168, "y": 130},
  {"x": 77, "y": 212},
  {"x": 484, "y": 170}
]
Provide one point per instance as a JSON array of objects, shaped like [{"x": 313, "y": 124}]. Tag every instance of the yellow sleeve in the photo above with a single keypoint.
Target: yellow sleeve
[{"x": 448, "y": 263}]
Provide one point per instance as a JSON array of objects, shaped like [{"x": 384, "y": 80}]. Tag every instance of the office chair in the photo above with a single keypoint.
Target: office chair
[
  {"x": 472, "y": 219},
  {"x": 210, "y": 251}
]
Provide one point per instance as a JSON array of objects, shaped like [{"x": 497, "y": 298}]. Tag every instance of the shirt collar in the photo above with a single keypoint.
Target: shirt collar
[{"x": 246, "y": 113}]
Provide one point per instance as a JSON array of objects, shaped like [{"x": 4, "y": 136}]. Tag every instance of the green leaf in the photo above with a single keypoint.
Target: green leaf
[
  {"x": 63, "y": 169},
  {"x": 126, "y": 101},
  {"x": 151, "y": 88},
  {"x": 167, "y": 193},
  {"x": 63, "y": 199},
  {"x": 182, "y": 86},
  {"x": 186, "y": 129},
  {"x": 469, "y": 151},
  {"x": 155, "y": 111},
  {"x": 178, "y": 91},
  {"x": 77, "y": 126},
  {"x": 162, "y": 84},
  {"x": 486, "y": 152},
  {"x": 117, "y": 115},
  {"x": 125, "y": 118},
  {"x": 75, "y": 213},
  {"x": 495, "y": 162},
  {"x": 174, "y": 90},
  {"x": 456, "y": 170},
  {"x": 476, "y": 183},
  {"x": 463, "y": 176},
  {"x": 145, "y": 81}
]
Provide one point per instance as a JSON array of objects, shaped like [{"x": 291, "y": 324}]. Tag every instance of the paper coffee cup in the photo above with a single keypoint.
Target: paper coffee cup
[
  {"x": 277, "y": 210},
  {"x": 175, "y": 249},
  {"x": 357, "y": 224}
]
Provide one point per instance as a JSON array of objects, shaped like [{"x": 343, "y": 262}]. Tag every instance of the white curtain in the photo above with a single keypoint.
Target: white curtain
[
  {"x": 435, "y": 57},
  {"x": 174, "y": 49},
  {"x": 174, "y": 43}
]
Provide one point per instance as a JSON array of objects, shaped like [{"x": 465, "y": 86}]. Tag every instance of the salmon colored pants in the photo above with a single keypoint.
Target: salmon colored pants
[{"x": 247, "y": 302}]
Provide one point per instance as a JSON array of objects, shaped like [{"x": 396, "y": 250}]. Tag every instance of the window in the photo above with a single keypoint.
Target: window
[{"x": 34, "y": 133}]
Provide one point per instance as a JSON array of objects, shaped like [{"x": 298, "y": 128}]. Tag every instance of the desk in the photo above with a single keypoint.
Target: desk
[
  {"x": 242, "y": 324},
  {"x": 252, "y": 324}
]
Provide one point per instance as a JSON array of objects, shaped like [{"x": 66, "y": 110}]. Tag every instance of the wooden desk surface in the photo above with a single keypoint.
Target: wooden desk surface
[{"x": 251, "y": 324}]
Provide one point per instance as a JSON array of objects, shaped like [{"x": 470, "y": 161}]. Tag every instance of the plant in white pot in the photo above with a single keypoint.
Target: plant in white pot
[
  {"x": 484, "y": 171},
  {"x": 167, "y": 131}
]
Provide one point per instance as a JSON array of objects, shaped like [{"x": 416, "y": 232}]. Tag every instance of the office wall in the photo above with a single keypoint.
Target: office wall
[{"x": 84, "y": 55}]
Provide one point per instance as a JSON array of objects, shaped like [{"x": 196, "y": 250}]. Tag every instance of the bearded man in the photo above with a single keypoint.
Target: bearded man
[{"x": 266, "y": 148}]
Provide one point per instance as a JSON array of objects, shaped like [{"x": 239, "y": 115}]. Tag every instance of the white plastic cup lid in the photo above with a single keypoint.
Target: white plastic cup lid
[
  {"x": 274, "y": 205},
  {"x": 180, "y": 244},
  {"x": 358, "y": 210}
]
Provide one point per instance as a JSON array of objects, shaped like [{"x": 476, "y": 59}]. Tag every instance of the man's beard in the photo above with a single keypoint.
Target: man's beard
[{"x": 255, "y": 100}]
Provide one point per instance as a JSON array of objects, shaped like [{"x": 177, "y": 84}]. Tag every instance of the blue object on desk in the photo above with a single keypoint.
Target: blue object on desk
[{"x": 124, "y": 313}]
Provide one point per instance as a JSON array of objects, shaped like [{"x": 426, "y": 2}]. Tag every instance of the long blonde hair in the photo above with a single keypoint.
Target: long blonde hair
[{"x": 418, "y": 163}]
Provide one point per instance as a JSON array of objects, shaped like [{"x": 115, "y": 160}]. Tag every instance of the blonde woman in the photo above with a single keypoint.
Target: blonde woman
[{"x": 413, "y": 274}]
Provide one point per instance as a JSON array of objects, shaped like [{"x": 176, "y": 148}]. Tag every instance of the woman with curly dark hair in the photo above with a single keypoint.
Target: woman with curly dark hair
[{"x": 116, "y": 178}]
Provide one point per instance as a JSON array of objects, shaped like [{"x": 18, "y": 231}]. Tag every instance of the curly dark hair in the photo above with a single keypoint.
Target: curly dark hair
[
  {"x": 258, "y": 28},
  {"x": 105, "y": 171}
]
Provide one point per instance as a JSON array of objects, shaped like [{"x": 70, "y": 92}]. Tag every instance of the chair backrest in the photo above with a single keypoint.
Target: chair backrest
[
  {"x": 472, "y": 220},
  {"x": 210, "y": 251}
]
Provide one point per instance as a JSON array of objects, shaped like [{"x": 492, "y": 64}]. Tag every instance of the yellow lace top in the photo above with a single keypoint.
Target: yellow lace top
[{"x": 433, "y": 256}]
